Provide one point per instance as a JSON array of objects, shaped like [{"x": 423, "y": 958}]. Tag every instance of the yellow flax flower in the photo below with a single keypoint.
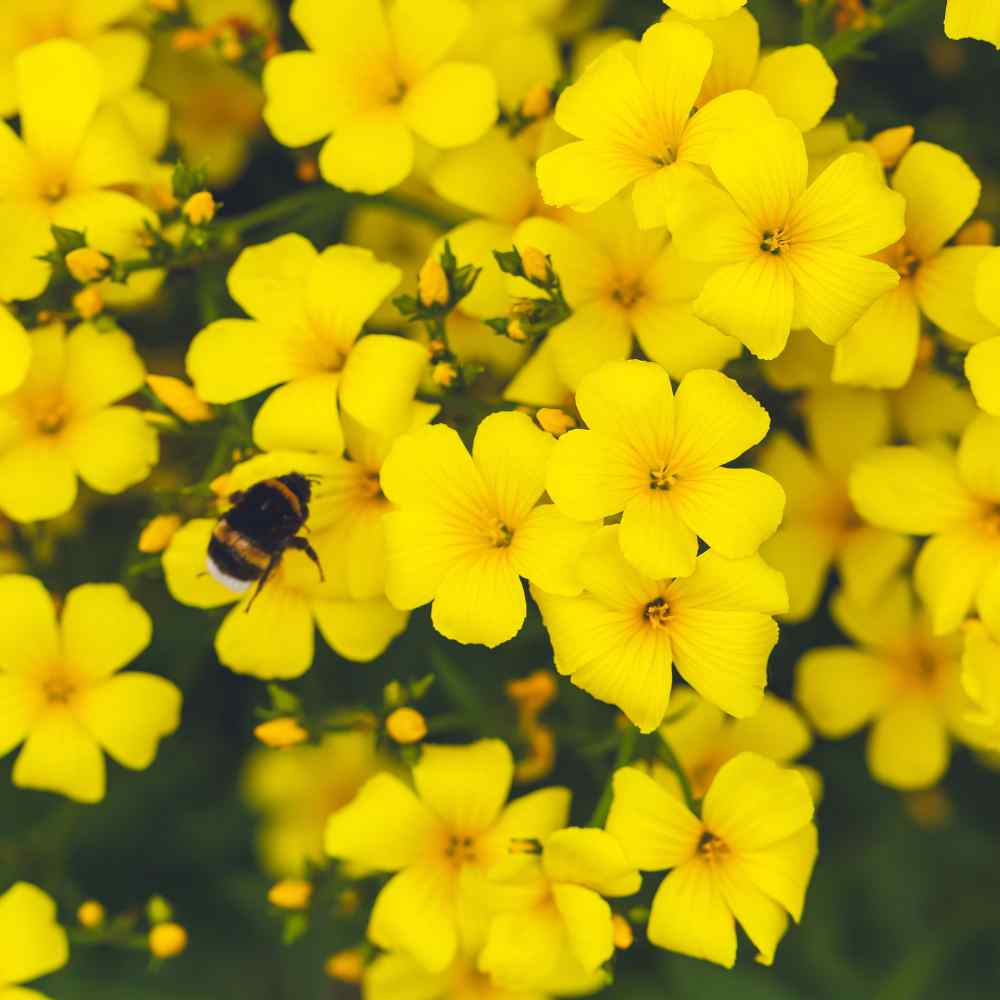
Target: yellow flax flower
[
  {"x": 973, "y": 19},
  {"x": 981, "y": 662},
  {"x": 65, "y": 168},
  {"x": 660, "y": 460},
  {"x": 307, "y": 312},
  {"x": 954, "y": 498},
  {"x": 467, "y": 528},
  {"x": 275, "y": 638},
  {"x": 936, "y": 280},
  {"x": 821, "y": 528},
  {"x": 61, "y": 691},
  {"x": 620, "y": 639},
  {"x": 555, "y": 924},
  {"x": 631, "y": 109},
  {"x": 441, "y": 840},
  {"x": 747, "y": 859},
  {"x": 790, "y": 253},
  {"x": 62, "y": 423},
  {"x": 902, "y": 680},
  {"x": 737, "y": 65},
  {"x": 621, "y": 281},
  {"x": 376, "y": 75},
  {"x": 32, "y": 943}
]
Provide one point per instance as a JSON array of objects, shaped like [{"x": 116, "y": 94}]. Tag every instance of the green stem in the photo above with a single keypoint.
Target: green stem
[
  {"x": 845, "y": 44},
  {"x": 667, "y": 755},
  {"x": 626, "y": 751}
]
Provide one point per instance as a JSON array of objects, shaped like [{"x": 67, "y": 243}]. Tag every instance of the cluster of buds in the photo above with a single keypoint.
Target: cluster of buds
[
  {"x": 237, "y": 40},
  {"x": 531, "y": 318},
  {"x": 165, "y": 938}
]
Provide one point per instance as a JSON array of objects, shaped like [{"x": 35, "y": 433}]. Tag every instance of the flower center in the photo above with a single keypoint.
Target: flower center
[
  {"x": 58, "y": 689},
  {"x": 627, "y": 293},
  {"x": 48, "y": 413},
  {"x": 661, "y": 478},
  {"x": 902, "y": 259},
  {"x": 460, "y": 849},
  {"x": 990, "y": 525},
  {"x": 657, "y": 613},
  {"x": 664, "y": 159},
  {"x": 711, "y": 848},
  {"x": 774, "y": 241},
  {"x": 499, "y": 534}
]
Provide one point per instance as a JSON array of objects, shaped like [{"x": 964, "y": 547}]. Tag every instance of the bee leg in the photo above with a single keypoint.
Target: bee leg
[
  {"x": 302, "y": 545},
  {"x": 271, "y": 567},
  {"x": 235, "y": 498}
]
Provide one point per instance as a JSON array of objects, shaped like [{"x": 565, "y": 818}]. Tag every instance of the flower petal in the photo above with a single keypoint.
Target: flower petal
[
  {"x": 34, "y": 943},
  {"x": 184, "y": 567},
  {"x": 273, "y": 639},
  {"x": 803, "y": 555},
  {"x": 101, "y": 367},
  {"x": 302, "y": 414},
  {"x": 844, "y": 425},
  {"x": 103, "y": 629},
  {"x": 815, "y": 84},
  {"x": 979, "y": 457},
  {"x": 597, "y": 333},
  {"x": 592, "y": 858},
  {"x": 547, "y": 549},
  {"x": 672, "y": 336},
  {"x": 269, "y": 280},
  {"x": 592, "y": 475},
  {"x": 655, "y": 538},
  {"x": 27, "y": 237},
  {"x": 868, "y": 559},
  {"x": 29, "y": 636},
  {"x": 720, "y": 584},
  {"x": 37, "y": 481},
  {"x": 59, "y": 755},
  {"x": 840, "y": 689},
  {"x": 584, "y": 175},
  {"x": 982, "y": 369},
  {"x": 909, "y": 747},
  {"x": 113, "y": 449},
  {"x": 763, "y": 919},
  {"x": 949, "y": 570},
  {"x": 587, "y": 920},
  {"x": 359, "y": 630},
  {"x": 736, "y": 110},
  {"x": 302, "y": 104},
  {"x": 453, "y": 105},
  {"x": 370, "y": 153},
  {"x": 380, "y": 380},
  {"x": 15, "y": 352},
  {"x": 946, "y": 288},
  {"x": 424, "y": 30}
]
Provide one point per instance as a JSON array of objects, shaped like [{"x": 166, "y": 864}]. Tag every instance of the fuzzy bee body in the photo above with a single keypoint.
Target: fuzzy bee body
[{"x": 250, "y": 539}]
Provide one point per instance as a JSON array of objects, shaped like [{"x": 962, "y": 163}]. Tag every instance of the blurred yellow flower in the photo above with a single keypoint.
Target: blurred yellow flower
[
  {"x": 61, "y": 691},
  {"x": 981, "y": 662},
  {"x": 982, "y": 363},
  {"x": 32, "y": 943}
]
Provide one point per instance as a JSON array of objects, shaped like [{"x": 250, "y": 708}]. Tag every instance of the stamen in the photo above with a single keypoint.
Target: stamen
[
  {"x": 58, "y": 689},
  {"x": 500, "y": 535},
  {"x": 774, "y": 241},
  {"x": 657, "y": 613},
  {"x": 661, "y": 478},
  {"x": 711, "y": 847}
]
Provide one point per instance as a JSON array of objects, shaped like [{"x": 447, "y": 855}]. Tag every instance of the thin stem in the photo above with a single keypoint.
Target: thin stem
[
  {"x": 667, "y": 755},
  {"x": 626, "y": 751},
  {"x": 845, "y": 44}
]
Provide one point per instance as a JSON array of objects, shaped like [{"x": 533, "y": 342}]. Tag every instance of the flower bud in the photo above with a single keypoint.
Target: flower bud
[
  {"x": 406, "y": 725},
  {"x": 155, "y": 537},
  {"x": 179, "y": 398},
  {"x": 347, "y": 966},
  {"x": 537, "y": 102},
  {"x": 87, "y": 264},
  {"x": 554, "y": 421},
  {"x": 536, "y": 690},
  {"x": 307, "y": 169},
  {"x": 534, "y": 263},
  {"x": 280, "y": 733},
  {"x": 516, "y": 332},
  {"x": 348, "y": 901},
  {"x": 189, "y": 39},
  {"x": 90, "y": 914},
  {"x": 621, "y": 932},
  {"x": 444, "y": 374},
  {"x": 88, "y": 302},
  {"x": 432, "y": 284},
  {"x": 167, "y": 940},
  {"x": 892, "y": 143},
  {"x": 199, "y": 208},
  {"x": 232, "y": 49},
  {"x": 290, "y": 894},
  {"x": 158, "y": 910}
]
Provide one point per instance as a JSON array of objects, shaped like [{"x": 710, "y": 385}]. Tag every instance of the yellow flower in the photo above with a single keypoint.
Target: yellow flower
[
  {"x": 821, "y": 528},
  {"x": 941, "y": 193},
  {"x": 620, "y": 639},
  {"x": 954, "y": 498},
  {"x": 903, "y": 680},
  {"x": 61, "y": 423},
  {"x": 705, "y": 9},
  {"x": 65, "y": 168},
  {"x": 295, "y": 791},
  {"x": 377, "y": 75},
  {"x": 621, "y": 281},
  {"x": 786, "y": 250},
  {"x": 748, "y": 857},
  {"x": 555, "y": 925},
  {"x": 307, "y": 312},
  {"x": 982, "y": 363},
  {"x": 973, "y": 19},
  {"x": 32, "y": 944},
  {"x": 981, "y": 663},
  {"x": 796, "y": 80},
  {"x": 441, "y": 841},
  {"x": 467, "y": 527},
  {"x": 62, "y": 693},
  {"x": 632, "y": 110},
  {"x": 660, "y": 460}
]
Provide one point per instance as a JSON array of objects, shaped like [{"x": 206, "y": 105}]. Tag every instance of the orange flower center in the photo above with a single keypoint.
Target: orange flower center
[
  {"x": 921, "y": 664},
  {"x": 46, "y": 413},
  {"x": 661, "y": 478},
  {"x": 774, "y": 241},
  {"x": 627, "y": 293},
  {"x": 460, "y": 850},
  {"x": 711, "y": 848},
  {"x": 499, "y": 534},
  {"x": 657, "y": 613},
  {"x": 58, "y": 688},
  {"x": 901, "y": 259}
]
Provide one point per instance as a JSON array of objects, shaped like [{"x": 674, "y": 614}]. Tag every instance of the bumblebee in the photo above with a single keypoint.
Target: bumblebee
[{"x": 250, "y": 539}]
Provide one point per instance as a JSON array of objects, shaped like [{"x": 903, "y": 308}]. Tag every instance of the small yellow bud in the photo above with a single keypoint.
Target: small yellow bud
[
  {"x": 307, "y": 169},
  {"x": 534, "y": 263},
  {"x": 290, "y": 894},
  {"x": 178, "y": 397},
  {"x": 432, "y": 284},
  {"x": 621, "y": 932},
  {"x": 280, "y": 733},
  {"x": 977, "y": 233},
  {"x": 158, "y": 910},
  {"x": 406, "y": 725},
  {"x": 167, "y": 940},
  {"x": 231, "y": 49},
  {"x": 535, "y": 691},
  {"x": 348, "y": 901},
  {"x": 189, "y": 39},
  {"x": 554, "y": 421},
  {"x": 437, "y": 347},
  {"x": 891, "y": 143},
  {"x": 87, "y": 264},
  {"x": 516, "y": 332},
  {"x": 155, "y": 537},
  {"x": 347, "y": 966},
  {"x": 90, "y": 914},
  {"x": 444, "y": 374},
  {"x": 88, "y": 302},
  {"x": 199, "y": 208},
  {"x": 537, "y": 101}
]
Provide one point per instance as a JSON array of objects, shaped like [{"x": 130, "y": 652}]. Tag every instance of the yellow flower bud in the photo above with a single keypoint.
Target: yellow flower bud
[
  {"x": 537, "y": 101},
  {"x": 179, "y": 398},
  {"x": 88, "y": 302},
  {"x": 307, "y": 169},
  {"x": 156, "y": 535},
  {"x": 534, "y": 692},
  {"x": 444, "y": 374},
  {"x": 87, "y": 264},
  {"x": 516, "y": 332},
  {"x": 90, "y": 914},
  {"x": 621, "y": 932},
  {"x": 541, "y": 754},
  {"x": 167, "y": 940},
  {"x": 348, "y": 901},
  {"x": 189, "y": 39},
  {"x": 406, "y": 725},
  {"x": 891, "y": 143},
  {"x": 199, "y": 208},
  {"x": 977, "y": 233},
  {"x": 554, "y": 421},
  {"x": 347, "y": 966},
  {"x": 534, "y": 263},
  {"x": 231, "y": 49},
  {"x": 280, "y": 733},
  {"x": 290, "y": 894},
  {"x": 432, "y": 284}
]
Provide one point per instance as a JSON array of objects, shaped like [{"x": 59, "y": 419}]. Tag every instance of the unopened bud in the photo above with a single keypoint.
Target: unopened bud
[
  {"x": 280, "y": 733},
  {"x": 178, "y": 397},
  {"x": 977, "y": 233},
  {"x": 167, "y": 940},
  {"x": 534, "y": 263},
  {"x": 348, "y": 901},
  {"x": 90, "y": 914},
  {"x": 87, "y": 264},
  {"x": 158, "y": 910},
  {"x": 537, "y": 101},
  {"x": 536, "y": 690},
  {"x": 307, "y": 170},
  {"x": 189, "y": 39},
  {"x": 232, "y": 49},
  {"x": 406, "y": 725},
  {"x": 156, "y": 536},
  {"x": 516, "y": 332},
  {"x": 290, "y": 894},
  {"x": 432, "y": 284},
  {"x": 621, "y": 932},
  {"x": 347, "y": 966},
  {"x": 554, "y": 421},
  {"x": 444, "y": 374},
  {"x": 199, "y": 208},
  {"x": 88, "y": 302},
  {"x": 891, "y": 143}
]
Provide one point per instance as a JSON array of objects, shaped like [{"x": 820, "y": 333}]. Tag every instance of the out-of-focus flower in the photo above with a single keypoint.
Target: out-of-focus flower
[
  {"x": 973, "y": 19},
  {"x": 32, "y": 943}
]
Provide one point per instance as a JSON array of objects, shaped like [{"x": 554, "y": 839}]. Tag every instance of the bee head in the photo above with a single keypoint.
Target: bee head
[{"x": 300, "y": 485}]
